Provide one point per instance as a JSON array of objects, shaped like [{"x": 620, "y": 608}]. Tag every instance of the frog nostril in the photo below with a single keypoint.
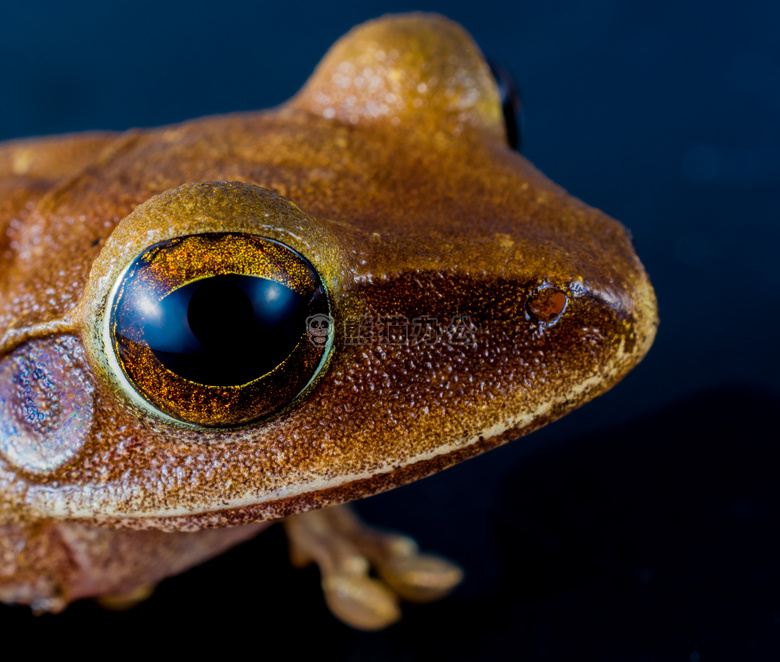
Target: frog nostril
[{"x": 546, "y": 305}]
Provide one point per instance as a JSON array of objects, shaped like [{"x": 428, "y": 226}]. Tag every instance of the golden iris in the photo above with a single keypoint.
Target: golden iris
[{"x": 212, "y": 328}]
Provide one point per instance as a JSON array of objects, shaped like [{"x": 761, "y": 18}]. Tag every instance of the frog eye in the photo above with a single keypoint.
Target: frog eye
[
  {"x": 511, "y": 103},
  {"x": 211, "y": 329},
  {"x": 546, "y": 305}
]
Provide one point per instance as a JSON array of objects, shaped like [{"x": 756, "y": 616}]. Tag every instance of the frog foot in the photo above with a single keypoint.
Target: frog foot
[{"x": 345, "y": 549}]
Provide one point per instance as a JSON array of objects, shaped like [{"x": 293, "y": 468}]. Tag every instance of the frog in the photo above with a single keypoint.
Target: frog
[{"x": 215, "y": 325}]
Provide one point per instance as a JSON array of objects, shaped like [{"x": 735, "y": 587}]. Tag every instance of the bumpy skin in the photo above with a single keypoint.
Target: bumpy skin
[{"x": 408, "y": 202}]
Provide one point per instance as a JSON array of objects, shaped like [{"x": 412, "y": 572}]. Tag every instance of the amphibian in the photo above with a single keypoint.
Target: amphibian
[{"x": 208, "y": 326}]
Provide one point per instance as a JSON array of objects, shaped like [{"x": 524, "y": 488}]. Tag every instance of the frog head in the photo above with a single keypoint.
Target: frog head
[{"x": 243, "y": 317}]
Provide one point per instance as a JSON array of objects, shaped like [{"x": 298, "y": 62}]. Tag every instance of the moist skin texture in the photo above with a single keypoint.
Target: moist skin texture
[{"x": 390, "y": 173}]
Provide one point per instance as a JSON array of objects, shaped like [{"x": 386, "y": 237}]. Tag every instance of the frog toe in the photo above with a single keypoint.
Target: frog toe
[
  {"x": 126, "y": 599},
  {"x": 420, "y": 577},
  {"x": 360, "y": 601}
]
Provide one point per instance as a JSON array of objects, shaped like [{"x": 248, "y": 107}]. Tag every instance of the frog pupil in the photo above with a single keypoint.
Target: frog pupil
[
  {"x": 224, "y": 330},
  {"x": 218, "y": 308}
]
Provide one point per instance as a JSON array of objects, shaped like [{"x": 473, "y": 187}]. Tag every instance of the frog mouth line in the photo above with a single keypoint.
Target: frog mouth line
[{"x": 59, "y": 503}]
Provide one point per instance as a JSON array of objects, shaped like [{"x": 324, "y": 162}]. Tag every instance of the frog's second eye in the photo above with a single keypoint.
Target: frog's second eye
[
  {"x": 511, "y": 103},
  {"x": 212, "y": 328}
]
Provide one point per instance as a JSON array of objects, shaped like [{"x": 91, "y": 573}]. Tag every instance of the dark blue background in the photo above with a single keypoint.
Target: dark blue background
[{"x": 642, "y": 527}]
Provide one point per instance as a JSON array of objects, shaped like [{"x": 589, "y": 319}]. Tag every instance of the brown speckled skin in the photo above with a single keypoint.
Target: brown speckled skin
[{"x": 408, "y": 202}]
